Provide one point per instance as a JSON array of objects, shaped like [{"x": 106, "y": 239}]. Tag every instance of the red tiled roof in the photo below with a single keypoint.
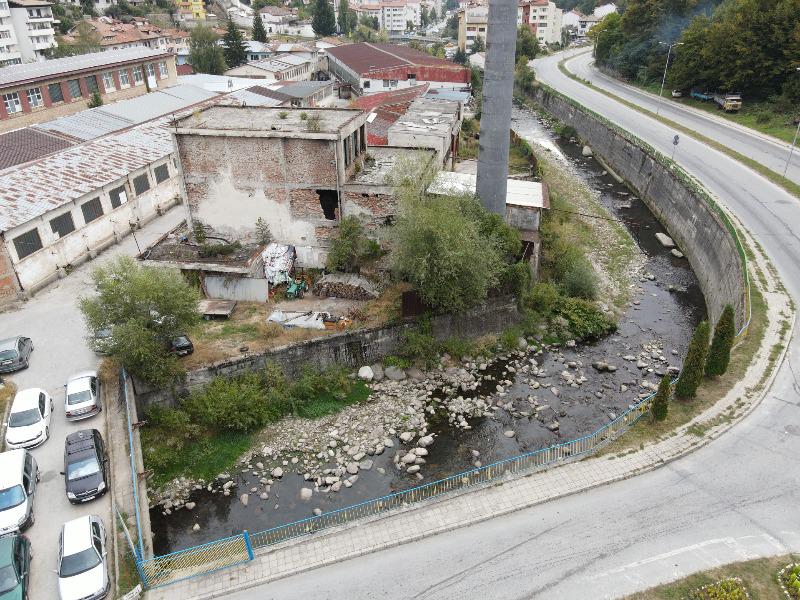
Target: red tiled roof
[
  {"x": 365, "y": 56},
  {"x": 372, "y": 101}
]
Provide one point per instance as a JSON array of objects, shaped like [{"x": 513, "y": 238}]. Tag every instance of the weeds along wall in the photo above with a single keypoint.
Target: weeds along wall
[
  {"x": 689, "y": 214},
  {"x": 350, "y": 348}
]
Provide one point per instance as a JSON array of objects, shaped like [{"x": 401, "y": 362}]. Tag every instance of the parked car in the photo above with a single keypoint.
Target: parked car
[
  {"x": 101, "y": 341},
  {"x": 181, "y": 346},
  {"x": 82, "y": 396},
  {"x": 15, "y": 353},
  {"x": 19, "y": 474},
  {"x": 29, "y": 420},
  {"x": 15, "y": 567},
  {"x": 85, "y": 473},
  {"x": 82, "y": 564},
  {"x": 677, "y": 94}
]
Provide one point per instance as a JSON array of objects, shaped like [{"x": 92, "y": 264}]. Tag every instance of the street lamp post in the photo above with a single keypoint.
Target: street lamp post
[
  {"x": 791, "y": 150},
  {"x": 664, "y": 78}
]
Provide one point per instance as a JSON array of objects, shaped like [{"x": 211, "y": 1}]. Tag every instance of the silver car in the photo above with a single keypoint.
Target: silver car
[
  {"x": 82, "y": 396},
  {"x": 15, "y": 353}
]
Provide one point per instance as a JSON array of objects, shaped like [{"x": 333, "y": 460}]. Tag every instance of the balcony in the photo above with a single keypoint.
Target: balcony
[
  {"x": 42, "y": 19},
  {"x": 44, "y": 45},
  {"x": 50, "y": 32}
]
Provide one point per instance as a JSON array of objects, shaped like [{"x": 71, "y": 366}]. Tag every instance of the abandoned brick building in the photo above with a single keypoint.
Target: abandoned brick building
[{"x": 297, "y": 170}]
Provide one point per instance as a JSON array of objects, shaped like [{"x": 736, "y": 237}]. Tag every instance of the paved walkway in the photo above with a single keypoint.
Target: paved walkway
[{"x": 478, "y": 505}]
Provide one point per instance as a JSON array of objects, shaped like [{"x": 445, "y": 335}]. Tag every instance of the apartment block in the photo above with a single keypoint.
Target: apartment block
[{"x": 26, "y": 31}]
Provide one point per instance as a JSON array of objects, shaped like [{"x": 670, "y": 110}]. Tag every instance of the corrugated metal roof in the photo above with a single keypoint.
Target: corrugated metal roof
[
  {"x": 156, "y": 104},
  {"x": 36, "y": 188},
  {"x": 62, "y": 66},
  {"x": 364, "y": 57},
  {"x": 87, "y": 124},
  {"x": 303, "y": 89},
  {"x": 248, "y": 98}
]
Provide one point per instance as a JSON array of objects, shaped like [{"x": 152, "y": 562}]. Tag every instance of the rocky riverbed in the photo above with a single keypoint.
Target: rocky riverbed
[{"x": 419, "y": 426}]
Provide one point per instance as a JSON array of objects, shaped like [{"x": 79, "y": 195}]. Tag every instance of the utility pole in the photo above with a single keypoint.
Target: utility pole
[
  {"x": 666, "y": 66},
  {"x": 498, "y": 93}
]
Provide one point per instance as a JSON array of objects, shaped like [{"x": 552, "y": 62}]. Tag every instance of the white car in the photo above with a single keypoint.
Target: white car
[
  {"x": 82, "y": 397},
  {"x": 82, "y": 564},
  {"x": 19, "y": 475},
  {"x": 29, "y": 420}
]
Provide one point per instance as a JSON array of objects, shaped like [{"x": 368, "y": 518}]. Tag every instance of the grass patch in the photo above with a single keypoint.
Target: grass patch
[
  {"x": 758, "y": 576},
  {"x": 784, "y": 182},
  {"x": 128, "y": 577}
]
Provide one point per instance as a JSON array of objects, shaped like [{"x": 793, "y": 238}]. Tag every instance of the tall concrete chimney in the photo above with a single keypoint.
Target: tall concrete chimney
[{"x": 498, "y": 92}]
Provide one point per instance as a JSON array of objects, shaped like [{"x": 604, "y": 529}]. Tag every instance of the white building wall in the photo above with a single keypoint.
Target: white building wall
[
  {"x": 34, "y": 31},
  {"x": 9, "y": 48},
  {"x": 40, "y": 268}
]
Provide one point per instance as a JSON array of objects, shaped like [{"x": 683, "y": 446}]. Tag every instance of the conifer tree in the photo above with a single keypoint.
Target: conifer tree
[
  {"x": 324, "y": 20},
  {"x": 694, "y": 363},
  {"x": 235, "y": 48},
  {"x": 259, "y": 33},
  {"x": 661, "y": 400},
  {"x": 719, "y": 355}
]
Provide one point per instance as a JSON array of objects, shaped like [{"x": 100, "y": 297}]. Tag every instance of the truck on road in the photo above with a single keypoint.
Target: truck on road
[{"x": 729, "y": 102}]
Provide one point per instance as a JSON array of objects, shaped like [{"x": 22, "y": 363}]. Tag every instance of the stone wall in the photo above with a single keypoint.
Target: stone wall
[
  {"x": 680, "y": 207},
  {"x": 351, "y": 349}
]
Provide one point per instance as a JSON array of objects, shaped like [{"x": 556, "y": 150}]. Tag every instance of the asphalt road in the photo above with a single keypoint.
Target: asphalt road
[
  {"x": 54, "y": 323},
  {"x": 735, "y": 499},
  {"x": 768, "y": 151}
]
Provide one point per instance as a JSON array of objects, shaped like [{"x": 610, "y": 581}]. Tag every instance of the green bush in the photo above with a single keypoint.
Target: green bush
[
  {"x": 580, "y": 281},
  {"x": 396, "y": 361},
  {"x": 542, "y": 298},
  {"x": 419, "y": 346},
  {"x": 661, "y": 400},
  {"x": 233, "y": 404},
  {"x": 584, "y": 319},
  {"x": 211, "y": 250},
  {"x": 351, "y": 249},
  {"x": 565, "y": 131}
]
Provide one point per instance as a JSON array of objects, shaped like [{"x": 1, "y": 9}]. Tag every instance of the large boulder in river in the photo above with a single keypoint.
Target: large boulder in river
[
  {"x": 365, "y": 373},
  {"x": 394, "y": 373}
]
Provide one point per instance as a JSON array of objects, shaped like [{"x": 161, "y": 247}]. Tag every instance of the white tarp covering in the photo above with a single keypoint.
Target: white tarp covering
[
  {"x": 278, "y": 262},
  {"x": 306, "y": 320}
]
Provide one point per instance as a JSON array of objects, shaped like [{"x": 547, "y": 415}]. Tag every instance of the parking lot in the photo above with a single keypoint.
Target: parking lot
[{"x": 54, "y": 323}]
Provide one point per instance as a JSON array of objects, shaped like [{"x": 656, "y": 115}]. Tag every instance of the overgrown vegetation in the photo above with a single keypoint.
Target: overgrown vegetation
[
  {"x": 211, "y": 428},
  {"x": 145, "y": 308},
  {"x": 206, "y": 55},
  {"x": 351, "y": 248}
]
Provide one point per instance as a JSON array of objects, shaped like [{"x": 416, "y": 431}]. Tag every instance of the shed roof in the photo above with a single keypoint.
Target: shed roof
[
  {"x": 64, "y": 66},
  {"x": 529, "y": 194}
]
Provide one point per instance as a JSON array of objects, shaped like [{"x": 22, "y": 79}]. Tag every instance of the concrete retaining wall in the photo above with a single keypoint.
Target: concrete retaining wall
[
  {"x": 351, "y": 349},
  {"x": 691, "y": 221}
]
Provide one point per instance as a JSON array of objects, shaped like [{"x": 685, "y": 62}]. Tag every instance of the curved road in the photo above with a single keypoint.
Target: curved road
[
  {"x": 764, "y": 149},
  {"x": 735, "y": 499}
]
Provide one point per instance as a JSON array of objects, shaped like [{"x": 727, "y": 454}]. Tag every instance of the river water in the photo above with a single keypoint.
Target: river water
[{"x": 662, "y": 313}]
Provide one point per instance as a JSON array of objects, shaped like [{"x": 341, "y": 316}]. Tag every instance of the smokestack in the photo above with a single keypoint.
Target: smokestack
[{"x": 498, "y": 91}]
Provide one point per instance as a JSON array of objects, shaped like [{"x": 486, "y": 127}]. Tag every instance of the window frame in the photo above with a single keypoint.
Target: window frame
[
  {"x": 150, "y": 70},
  {"x": 91, "y": 84},
  {"x": 35, "y": 93},
  {"x": 124, "y": 79},
  {"x": 72, "y": 94},
  {"x": 87, "y": 216},
  {"x": 120, "y": 199},
  {"x": 136, "y": 186},
  {"x": 164, "y": 167},
  {"x": 163, "y": 71},
  {"x": 62, "y": 216},
  {"x": 140, "y": 72},
  {"x": 12, "y": 99},
  {"x": 108, "y": 76},
  {"x": 18, "y": 244},
  {"x": 50, "y": 89}
]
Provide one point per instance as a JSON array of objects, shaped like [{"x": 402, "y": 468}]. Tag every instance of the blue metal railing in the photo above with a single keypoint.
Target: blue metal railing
[{"x": 123, "y": 388}]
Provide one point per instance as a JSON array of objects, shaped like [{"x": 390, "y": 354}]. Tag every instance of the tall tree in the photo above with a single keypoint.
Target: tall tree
[
  {"x": 205, "y": 53},
  {"x": 424, "y": 17},
  {"x": 478, "y": 45},
  {"x": 719, "y": 355},
  {"x": 460, "y": 57},
  {"x": 235, "y": 47},
  {"x": 527, "y": 44},
  {"x": 694, "y": 363},
  {"x": 344, "y": 17},
  {"x": 661, "y": 400},
  {"x": 324, "y": 20},
  {"x": 259, "y": 33}
]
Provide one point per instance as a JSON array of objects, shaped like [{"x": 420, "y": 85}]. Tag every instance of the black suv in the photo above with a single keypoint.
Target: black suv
[{"x": 85, "y": 473}]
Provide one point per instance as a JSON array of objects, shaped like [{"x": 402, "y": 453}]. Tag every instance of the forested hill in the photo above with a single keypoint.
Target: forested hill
[{"x": 751, "y": 46}]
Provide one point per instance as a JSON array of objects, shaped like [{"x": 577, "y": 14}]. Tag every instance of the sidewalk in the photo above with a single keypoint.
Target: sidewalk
[{"x": 477, "y": 505}]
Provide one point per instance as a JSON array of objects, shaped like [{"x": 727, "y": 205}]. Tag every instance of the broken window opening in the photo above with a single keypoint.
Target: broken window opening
[{"x": 329, "y": 202}]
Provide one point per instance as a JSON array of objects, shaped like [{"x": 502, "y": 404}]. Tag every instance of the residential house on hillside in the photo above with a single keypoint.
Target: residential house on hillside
[
  {"x": 276, "y": 19},
  {"x": 26, "y": 31},
  {"x": 116, "y": 35},
  {"x": 542, "y": 17}
]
